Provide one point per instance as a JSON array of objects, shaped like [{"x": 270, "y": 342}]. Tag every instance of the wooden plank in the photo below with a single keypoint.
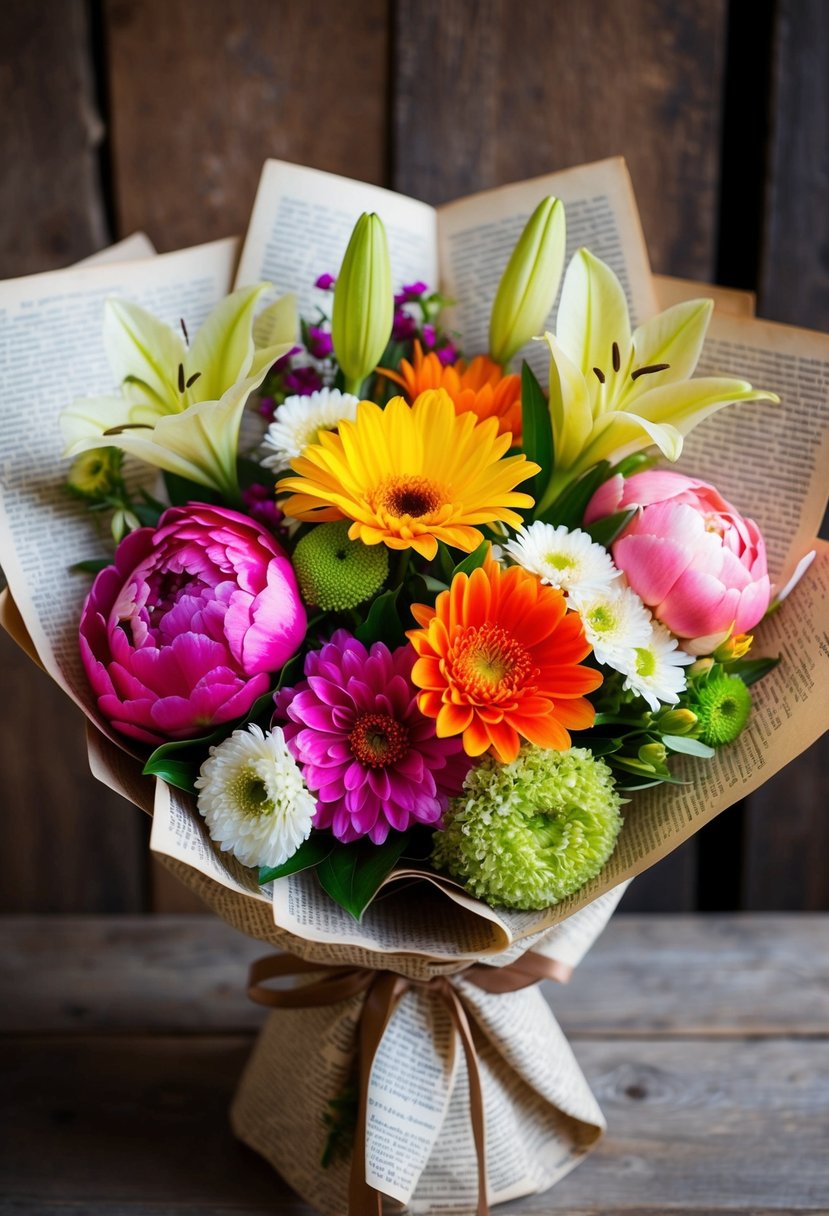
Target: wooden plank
[
  {"x": 202, "y": 92},
  {"x": 51, "y": 211},
  {"x": 139, "y": 1125},
  {"x": 525, "y": 89},
  {"x": 787, "y": 826},
  {"x": 721, "y": 976},
  {"x": 68, "y": 844}
]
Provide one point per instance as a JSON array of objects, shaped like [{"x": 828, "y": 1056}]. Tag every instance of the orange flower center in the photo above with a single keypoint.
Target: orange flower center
[
  {"x": 413, "y": 496},
  {"x": 486, "y": 660},
  {"x": 378, "y": 740}
]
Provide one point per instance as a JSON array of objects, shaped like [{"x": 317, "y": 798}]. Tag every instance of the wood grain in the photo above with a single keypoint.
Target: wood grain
[
  {"x": 496, "y": 92},
  {"x": 202, "y": 92},
  {"x": 788, "y": 828},
  {"x": 69, "y": 845},
  {"x": 51, "y": 210},
  {"x": 692, "y": 1125},
  {"x": 720, "y": 976}
]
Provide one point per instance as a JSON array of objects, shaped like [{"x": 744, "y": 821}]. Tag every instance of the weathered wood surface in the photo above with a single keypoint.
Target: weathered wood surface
[
  {"x": 714, "y": 1103},
  {"x": 663, "y": 975}
]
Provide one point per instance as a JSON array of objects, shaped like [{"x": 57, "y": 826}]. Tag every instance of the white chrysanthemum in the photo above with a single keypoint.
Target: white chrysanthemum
[
  {"x": 656, "y": 673},
  {"x": 253, "y": 798},
  {"x": 299, "y": 421},
  {"x": 615, "y": 622},
  {"x": 567, "y": 559}
]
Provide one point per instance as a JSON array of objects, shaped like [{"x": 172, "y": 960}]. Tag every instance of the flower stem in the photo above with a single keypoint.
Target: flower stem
[{"x": 402, "y": 568}]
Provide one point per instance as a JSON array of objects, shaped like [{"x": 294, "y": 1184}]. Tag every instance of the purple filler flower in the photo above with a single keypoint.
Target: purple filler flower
[
  {"x": 325, "y": 282},
  {"x": 320, "y": 344},
  {"x": 302, "y": 381},
  {"x": 403, "y": 325},
  {"x": 410, "y": 292},
  {"x": 367, "y": 752}
]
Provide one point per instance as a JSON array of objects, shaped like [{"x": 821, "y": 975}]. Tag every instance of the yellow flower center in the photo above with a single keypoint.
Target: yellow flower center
[
  {"x": 412, "y": 496},
  {"x": 487, "y": 660},
  {"x": 560, "y": 561}
]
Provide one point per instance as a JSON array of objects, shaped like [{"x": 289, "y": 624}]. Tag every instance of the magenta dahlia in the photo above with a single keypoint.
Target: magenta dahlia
[{"x": 369, "y": 755}]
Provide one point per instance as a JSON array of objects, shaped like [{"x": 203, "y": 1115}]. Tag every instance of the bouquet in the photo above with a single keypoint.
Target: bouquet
[{"x": 407, "y": 634}]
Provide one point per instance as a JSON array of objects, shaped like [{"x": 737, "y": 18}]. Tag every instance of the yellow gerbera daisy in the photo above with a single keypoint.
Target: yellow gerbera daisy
[{"x": 410, "y": 475}]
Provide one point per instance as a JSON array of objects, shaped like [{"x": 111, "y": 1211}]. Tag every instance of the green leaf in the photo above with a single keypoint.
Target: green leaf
[
  {"x": 180, "y": 773},
  {"x": 352, "y": 874},
  {"x": 751, "y": 670},
  {"x": 536, "y": 430},
  {"x": 445, "y": 562},
  {"x": 473, "y": 560},
  {"x": 604, "y": 531},
  {"x": 91, "y": 565},
  {"x": 383, "y": 623},
  {"x": 310, "y": 853},
  {"x": 434, "y": 585},
  {"x": 180, "y": 491},
  {"x": 689, "y": 747},
  {"x": 568, "y": 509}
]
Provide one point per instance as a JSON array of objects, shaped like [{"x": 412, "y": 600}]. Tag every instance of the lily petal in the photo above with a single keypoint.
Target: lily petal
[
  {"x": 686, "y": 405},
  {"x": 570, "y": 413},
  {"x": 592, "y": 315},
  {"x": 223, "y": 348},
  {"x": 674, "y": 337},
  {"x": 142, "y": 348}
]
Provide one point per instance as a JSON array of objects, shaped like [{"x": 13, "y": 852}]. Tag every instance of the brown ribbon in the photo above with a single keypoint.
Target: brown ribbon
[{"x": 383, "y": 990}]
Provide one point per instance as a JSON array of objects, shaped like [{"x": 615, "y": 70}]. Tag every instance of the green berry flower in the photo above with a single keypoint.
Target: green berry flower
[
  {"x": 529, "y": 833},
  {"x": 722, "y": 705},
  {"x": 335, "y": 573}
]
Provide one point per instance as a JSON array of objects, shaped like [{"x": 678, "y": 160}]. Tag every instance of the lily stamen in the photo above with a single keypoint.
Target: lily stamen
[
  {"x": 600, "y": 376},
  {"x": 617, "y": 358},
  {"x": 646, "y": 371}
]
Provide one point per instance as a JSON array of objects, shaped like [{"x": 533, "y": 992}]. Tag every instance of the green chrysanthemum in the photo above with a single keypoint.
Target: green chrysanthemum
[
  {"x": 722, "y": 705},
  {"x": 336, "y": 573},
  {"x": 527, "y": 834}
]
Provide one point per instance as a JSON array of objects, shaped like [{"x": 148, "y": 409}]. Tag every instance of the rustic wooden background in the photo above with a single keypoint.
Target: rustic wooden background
[{"x": 157, "y": 114}]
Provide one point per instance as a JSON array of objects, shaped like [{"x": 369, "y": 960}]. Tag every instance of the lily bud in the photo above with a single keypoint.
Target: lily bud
[
  {"x": 363, "y": 303},
  {"x": 677, "y": 721},
  {"x": 735, "y": 647},
  {"x": 701, "y": 667},
  {"x": 654, "y": 754},
  {"x": 529, "y": 284}
]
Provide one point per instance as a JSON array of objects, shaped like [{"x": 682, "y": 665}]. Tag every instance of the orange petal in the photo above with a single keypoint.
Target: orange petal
[{"x": 452, "y": 719}]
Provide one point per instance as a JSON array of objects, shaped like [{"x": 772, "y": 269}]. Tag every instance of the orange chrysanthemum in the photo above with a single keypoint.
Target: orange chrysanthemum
[
  {"x": 479, "y": 386},
  {"x": 499, "y": 660},
  {"x": 410, "y": 476}
]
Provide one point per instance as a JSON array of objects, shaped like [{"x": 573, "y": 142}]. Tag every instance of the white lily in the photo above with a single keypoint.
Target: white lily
[
  {"x": 180, "y": 407},
  {"x": 613, "y": 392}
]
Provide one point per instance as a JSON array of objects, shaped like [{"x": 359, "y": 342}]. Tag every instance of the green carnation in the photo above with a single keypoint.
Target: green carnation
[
  {"x": 335, "y": 573},
  {"x": 722, "y": 705},
  {"x": 529, "y": 833}
]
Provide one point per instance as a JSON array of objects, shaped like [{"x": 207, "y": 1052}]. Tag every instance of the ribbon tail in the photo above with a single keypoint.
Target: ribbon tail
[
  {"x": 476, "y": 1098},
  {"x": 383, "y": 995}
]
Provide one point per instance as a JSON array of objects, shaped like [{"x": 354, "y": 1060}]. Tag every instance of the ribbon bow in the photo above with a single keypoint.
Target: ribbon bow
[{"x": 383, "y": 990}]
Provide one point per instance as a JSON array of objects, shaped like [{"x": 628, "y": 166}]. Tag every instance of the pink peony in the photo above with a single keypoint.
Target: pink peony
[
  {"x": 367, "y": 752},
  {"x": 183, "y": 631},
  {"x": 694, "y": 560}
]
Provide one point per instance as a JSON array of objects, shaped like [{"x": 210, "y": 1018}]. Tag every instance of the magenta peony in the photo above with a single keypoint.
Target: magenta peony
[
  {"x": 183, "y": 632},
  {"x": 367, "y": 752},
  {"x": 694, "y": 560}
]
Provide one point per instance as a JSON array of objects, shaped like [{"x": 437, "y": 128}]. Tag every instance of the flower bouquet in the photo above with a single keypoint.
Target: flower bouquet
[{"x": 417, "y": 652}]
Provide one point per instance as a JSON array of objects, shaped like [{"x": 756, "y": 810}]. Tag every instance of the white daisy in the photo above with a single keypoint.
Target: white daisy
[
  {"x": 253, "y": 798},
  {"x": 563, "y": 558},
  {"x": 656, "y": 673},
  {"x": 615, "y": 622},
  {"x": 299, "y": 421}
]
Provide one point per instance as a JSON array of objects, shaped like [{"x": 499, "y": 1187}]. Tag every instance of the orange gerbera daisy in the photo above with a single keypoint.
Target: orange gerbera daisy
[
  {"x": 479, "y": 386},
  {"x": 499, "y": 660},
  {"x": 410, "y": 475}
]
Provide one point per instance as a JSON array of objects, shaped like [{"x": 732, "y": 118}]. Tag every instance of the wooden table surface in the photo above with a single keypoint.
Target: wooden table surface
[{"x": 705, "y": 1039}]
